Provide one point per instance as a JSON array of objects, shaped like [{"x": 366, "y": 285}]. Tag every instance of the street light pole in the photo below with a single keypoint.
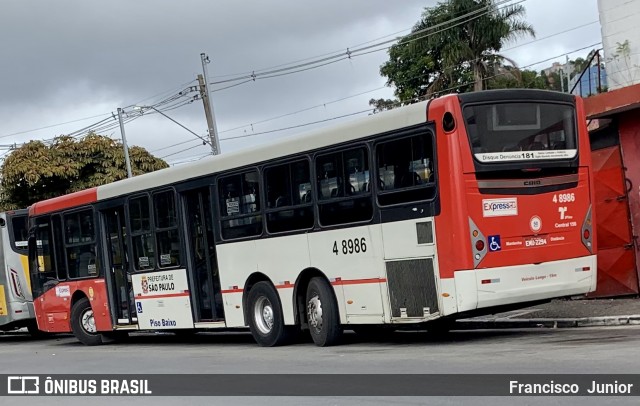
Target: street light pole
[{"x": 124, "y": 144}]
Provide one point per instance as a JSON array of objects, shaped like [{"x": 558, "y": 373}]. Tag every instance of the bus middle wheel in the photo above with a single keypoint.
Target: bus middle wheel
[{"x": 266, "y": 321}]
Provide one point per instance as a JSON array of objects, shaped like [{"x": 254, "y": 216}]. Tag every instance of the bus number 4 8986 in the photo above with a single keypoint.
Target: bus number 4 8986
[{"x": 351, "y": 246}]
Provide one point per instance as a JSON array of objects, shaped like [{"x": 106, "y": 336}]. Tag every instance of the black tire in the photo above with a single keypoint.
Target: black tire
[
  {"x": 33, "y": 330},
  {"x": 264, "y": 314},
  {"x": 322, "y": 313},
  {"x": 440, "y": 328},
  {"x": 82, "y": 310},
  {"x": 116, "y": 336}
]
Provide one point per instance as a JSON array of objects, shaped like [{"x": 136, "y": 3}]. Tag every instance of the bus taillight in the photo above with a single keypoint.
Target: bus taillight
[
  {"x": 587, "y": 233},
  {"x": 478, "y": 243},
  {"x": 15, "y": 283}
]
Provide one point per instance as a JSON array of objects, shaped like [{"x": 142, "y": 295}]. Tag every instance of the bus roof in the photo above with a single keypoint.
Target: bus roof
[
  {"x": 63, "y": 202},
  {"x": 379, "y": 123}
]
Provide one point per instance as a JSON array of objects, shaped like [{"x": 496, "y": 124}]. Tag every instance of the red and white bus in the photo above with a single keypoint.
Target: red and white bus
[{"x": 463, "y": 205}]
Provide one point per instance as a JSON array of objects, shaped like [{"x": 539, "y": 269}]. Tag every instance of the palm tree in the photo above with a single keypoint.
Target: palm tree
[
  {"x": 454, "y": 46},
  {"x": 478, "y": 40}
]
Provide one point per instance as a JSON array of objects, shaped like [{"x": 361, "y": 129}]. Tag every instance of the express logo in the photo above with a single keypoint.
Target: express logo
[
  {"x": 500, "y": 207},
  {"x": 145, "y": 285}
]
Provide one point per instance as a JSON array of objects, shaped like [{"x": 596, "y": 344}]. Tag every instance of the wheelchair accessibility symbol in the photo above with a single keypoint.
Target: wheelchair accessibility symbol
[
  {"x": 138, "y": 307},
  {"x": 494, "y": 243}
]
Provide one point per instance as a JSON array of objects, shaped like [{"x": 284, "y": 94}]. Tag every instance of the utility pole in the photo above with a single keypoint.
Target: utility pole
[
  {"x": 569, "y": 71},
  {"x": 208, "y": 106},
  {"x": 124, "y": 144}
]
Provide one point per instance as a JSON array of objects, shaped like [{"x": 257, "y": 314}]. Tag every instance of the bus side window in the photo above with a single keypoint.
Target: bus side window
[
  {"x": 405, "y": 169},
  {"x": 343, "y": 187},
  {"x": 240, "y": 205},
  {"x": 289, "y": 197}
]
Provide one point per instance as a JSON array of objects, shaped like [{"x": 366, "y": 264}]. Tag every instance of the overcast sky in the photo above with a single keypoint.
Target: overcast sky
[{"x": 67, "y": 60}]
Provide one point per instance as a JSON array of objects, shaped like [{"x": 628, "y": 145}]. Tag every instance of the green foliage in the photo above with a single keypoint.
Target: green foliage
[
  {"x": 37, "y": 171},
  {"x": 509, "y": 77},
  {"x": 453, "y": 58},
  {"x": 383, "y": 104}
]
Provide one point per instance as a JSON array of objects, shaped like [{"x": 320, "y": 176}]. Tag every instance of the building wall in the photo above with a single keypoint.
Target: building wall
[{"x": 619, "y": 23}]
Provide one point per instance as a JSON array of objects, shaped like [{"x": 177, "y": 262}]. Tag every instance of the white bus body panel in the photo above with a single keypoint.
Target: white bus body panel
[
  {"x": 357, "y": 277},
  {"x": 282, "y": 259},
  {"x": 236, "y": 262},
  {"x": 524, "y": 283}
]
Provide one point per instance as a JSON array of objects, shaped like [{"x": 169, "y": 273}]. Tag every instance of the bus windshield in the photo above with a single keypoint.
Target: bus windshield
[
  {"x": 20, "y": 232},
  {"x": 521, "y": 131}
]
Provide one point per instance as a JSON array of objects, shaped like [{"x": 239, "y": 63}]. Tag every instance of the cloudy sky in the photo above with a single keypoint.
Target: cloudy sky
[{"x": 77, "y": 61}]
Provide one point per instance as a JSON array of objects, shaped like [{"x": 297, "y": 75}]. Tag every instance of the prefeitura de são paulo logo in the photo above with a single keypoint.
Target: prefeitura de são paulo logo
[{"x": 145, "y": 285}]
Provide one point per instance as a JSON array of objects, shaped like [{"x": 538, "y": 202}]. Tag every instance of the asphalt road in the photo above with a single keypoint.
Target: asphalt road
[{"x": 603, "y": 350}]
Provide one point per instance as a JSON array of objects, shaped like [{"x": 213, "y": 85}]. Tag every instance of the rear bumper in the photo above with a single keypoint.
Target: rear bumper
[
  {"x": 19, "y": 314},
  {"x": 484, "y": 288}
]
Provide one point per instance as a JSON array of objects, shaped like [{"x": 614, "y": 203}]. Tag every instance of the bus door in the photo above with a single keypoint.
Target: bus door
[
  {"x": 123, "y": 309},
  {"x": 202, "y": 252},
  {"x": 407, "y": 196}
]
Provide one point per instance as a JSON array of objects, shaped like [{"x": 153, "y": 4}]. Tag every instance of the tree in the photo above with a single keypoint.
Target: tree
[
  {"x": 38, "y": 171},
  {"x": 511, "y": 77},
  {"x": 459, "y": 54},
  {"x": 382, "y": 104}
]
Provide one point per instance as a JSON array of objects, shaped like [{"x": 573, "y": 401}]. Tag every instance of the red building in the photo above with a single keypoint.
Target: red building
[{"x": 615, "y": 143}]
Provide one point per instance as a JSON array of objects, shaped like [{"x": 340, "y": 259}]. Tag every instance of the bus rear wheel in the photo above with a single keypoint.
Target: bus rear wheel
[
  {"x": 83, "y": 323},
  {"x": 266, "y": 321},
  {"x": 322, "y": 313}
]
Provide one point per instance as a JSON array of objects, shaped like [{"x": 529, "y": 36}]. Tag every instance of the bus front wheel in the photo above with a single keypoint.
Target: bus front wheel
[
  {"x": 83, "y": 324},
  {"x": 266, "y": 321},
  {"x": 322, "y": 313}
]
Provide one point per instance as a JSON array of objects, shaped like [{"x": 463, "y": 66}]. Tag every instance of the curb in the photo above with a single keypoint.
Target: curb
[{"x": 506, "y": 323}]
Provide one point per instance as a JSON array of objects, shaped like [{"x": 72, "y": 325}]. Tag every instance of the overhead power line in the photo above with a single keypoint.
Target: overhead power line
[
  {"x": 399, "y": 103},
  {"x": 351, "y": 52},
  {"x": 404, "y": 81}
]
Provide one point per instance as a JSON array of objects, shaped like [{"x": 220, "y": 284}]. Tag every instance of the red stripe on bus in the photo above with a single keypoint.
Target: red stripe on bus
[
  {"x": 335, "y": 283},
  {"x": 64, "y": 202},
  {"x": 232, "y": 291},
  {"x": 358, "y": 281},
  {"x": 163, "y": 296}
]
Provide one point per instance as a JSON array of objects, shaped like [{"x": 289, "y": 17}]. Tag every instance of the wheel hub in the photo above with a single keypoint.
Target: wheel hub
[
  {"x": 314, "y": 312},
  {"x": 263, "y": 315},
  {"x": 88, "y": 322}
]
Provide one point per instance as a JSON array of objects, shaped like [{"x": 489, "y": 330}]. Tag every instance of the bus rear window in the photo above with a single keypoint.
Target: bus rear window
[{"x": 519, "y": 131}]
